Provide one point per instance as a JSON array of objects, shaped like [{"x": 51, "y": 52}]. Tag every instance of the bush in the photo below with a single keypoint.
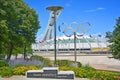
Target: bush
[
  {"x": 3, "y": 63},
  {"x": 106, "y": 75},
  {"x": 92, "y": 74},
  {"x": 22, "y": 70},
  {"x": 87, "y": 67},
  {"x": 46, "y": 62},
  {"x": 21, "y": 62},
  {"x": 67, "y": 63},
  {"x": 6, "y": 71}
]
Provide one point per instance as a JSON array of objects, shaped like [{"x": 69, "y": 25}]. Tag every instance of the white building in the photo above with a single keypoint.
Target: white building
[{"x": 84, "y": 43}]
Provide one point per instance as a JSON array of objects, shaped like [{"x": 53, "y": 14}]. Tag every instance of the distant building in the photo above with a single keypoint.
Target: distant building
[{"x": 83, "y": 43}]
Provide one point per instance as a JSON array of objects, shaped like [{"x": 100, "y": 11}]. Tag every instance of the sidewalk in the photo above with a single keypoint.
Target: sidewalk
[
  {"x": 24, "y": 78},
  {"x": 106, "y": 67}
]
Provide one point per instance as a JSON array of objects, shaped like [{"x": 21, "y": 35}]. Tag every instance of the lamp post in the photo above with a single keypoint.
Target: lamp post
[
  {"x": 74, "y": 33},
  {"x": 54, "y": 9}
]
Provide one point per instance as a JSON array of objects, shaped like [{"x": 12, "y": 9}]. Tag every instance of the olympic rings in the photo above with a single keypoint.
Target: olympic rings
[{"x": 71, "y": 29}]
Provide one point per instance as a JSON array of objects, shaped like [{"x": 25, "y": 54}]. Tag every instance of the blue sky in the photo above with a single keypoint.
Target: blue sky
[{"x": 101, "y": 14}]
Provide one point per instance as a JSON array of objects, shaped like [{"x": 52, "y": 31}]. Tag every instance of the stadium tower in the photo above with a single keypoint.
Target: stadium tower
[{"x": 48, "y": 32}]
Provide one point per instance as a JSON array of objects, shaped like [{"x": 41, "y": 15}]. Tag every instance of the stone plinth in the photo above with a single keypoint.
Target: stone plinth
[{"x": 50, "y": 72}]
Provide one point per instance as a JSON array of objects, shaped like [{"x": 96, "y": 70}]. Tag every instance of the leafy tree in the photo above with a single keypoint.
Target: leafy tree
[
  {"x": 3, "y": 31},
  {"x": 114, "y": 39},
  {"x": 19, "y": 23}
]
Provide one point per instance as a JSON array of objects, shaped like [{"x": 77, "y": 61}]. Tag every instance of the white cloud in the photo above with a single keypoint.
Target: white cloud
[
  {"x": 94, "y": 10},
  {"x": 91, "y": 10},
  {"x": 100, "y": 8},
  {"x": 67, "y": 5}
]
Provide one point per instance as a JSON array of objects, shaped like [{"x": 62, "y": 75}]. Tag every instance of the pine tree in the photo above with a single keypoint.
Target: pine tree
[{"x": 114, "y": 39}]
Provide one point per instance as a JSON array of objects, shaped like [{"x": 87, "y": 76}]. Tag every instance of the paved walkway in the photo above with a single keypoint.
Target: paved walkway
[
  {"x": 97, "y": 61},
  {"x": 24, "y": 78},
  {"x": 106, "y": 67}
]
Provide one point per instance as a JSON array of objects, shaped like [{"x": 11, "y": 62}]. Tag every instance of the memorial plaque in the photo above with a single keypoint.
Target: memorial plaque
[{"x": 50, "y": 72}]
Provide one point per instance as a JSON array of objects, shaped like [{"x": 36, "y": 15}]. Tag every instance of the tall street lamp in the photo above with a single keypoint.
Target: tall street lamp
[{"x": 54, "y": 9}]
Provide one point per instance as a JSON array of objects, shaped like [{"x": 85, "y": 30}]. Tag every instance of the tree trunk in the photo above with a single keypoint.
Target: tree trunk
[
  {"x": 10, "y": 52},
  {"x": 16, "y": 56},
  {"x": 0, "y": 47},
  {"x": 24, "y": 51},
  {"x": 1, "y": 50}
]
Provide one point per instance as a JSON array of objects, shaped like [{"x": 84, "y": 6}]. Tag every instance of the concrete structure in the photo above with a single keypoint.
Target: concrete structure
[
  {"x": 84, "y": 43},
  {"x": 50, "y": 72}
]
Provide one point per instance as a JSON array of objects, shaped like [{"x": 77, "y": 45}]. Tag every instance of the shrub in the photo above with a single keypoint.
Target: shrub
[
  {"x": 106, "y": 75},
  {"x": 22, "y": 70},
  {"x": 92, "y": 74},
  {"x": 18, "y": 65},
  {"x": 33, "y": 68},
  {"x": 87, "y": 67},
  {"x": 21, "y": 62},
  {"x": 3, "y": 63},
  {"x": 6, "y": 71},
  {"x": 46, "y": 62},
  {"x": 67, "y": 63}
]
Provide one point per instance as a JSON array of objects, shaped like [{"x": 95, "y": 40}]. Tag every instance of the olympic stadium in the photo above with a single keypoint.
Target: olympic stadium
[
  {"x": 80, "y": 43},
  {"x": 83, "y": 44}
]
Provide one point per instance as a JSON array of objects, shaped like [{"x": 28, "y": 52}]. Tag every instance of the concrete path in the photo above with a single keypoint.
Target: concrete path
[
  {"x": 106, "y": 67},
  {"x": 97, "y": 61},
  {"x": 24, "y": 78}
]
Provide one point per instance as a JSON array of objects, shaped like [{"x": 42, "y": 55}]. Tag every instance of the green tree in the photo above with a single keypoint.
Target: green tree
[
  {"x": 3, "y": 38},
  {"x": 114, "y": 39},
  {"x": 20, "y": 24}
]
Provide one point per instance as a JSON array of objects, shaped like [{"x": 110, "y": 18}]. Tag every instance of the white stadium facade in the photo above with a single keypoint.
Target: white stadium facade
[{"x": 83, "y": 44}]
